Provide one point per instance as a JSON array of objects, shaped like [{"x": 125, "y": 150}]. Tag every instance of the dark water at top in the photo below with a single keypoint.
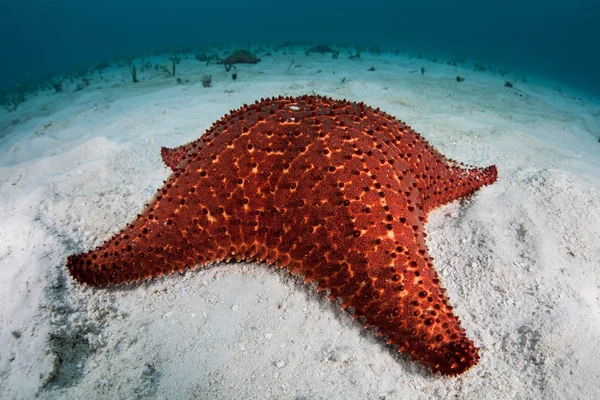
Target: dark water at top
[{"x": 551, "y": 39}]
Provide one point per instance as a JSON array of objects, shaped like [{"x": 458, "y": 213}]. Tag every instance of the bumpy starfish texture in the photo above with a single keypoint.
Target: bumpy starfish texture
[{"x": 332, "y": 190}]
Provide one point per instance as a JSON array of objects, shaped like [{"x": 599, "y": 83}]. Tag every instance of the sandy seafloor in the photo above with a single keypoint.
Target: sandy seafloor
[{"x": 520, "y": 259}]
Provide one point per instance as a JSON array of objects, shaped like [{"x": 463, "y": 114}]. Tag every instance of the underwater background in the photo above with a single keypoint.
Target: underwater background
[
  {"x": 550, "y": 39},
  {"x": 91, "y": 91}
]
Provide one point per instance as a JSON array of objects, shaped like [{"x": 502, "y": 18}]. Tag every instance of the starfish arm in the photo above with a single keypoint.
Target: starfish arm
[
  {"x": 179, "y": 157},
  {"x": 172, "y": 157},
  {"x": 159, "y": 241},
  {"x": 454, "y": 182},
  {"x": 439, "y": 179}
]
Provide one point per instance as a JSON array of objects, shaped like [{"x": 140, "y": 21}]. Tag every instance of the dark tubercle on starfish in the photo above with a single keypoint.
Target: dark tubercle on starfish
[{"x": 332, "y": 190}]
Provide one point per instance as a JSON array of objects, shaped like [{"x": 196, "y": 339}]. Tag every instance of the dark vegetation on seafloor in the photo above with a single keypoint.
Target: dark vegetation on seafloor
[
  {"x": 239, "y": 57},
  {"x": 149, "y": 67},
  {"x": 323, "y": 49}
]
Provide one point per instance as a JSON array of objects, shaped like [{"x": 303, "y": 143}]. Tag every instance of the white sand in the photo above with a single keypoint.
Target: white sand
[{"x": 520, "y": 259}]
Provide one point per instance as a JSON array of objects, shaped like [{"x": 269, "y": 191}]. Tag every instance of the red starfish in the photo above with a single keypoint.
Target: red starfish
[{"x": 332, "y": 190}]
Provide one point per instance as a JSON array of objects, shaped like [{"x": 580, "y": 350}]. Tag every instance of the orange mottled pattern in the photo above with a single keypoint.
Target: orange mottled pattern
[{"x": 332, "y": 190}]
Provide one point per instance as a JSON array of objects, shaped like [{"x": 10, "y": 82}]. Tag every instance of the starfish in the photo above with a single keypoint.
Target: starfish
[{"x": 332, "y": 190}]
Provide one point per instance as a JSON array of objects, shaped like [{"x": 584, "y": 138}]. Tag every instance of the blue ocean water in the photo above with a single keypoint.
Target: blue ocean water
[{"x": 551, "y": 39}]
